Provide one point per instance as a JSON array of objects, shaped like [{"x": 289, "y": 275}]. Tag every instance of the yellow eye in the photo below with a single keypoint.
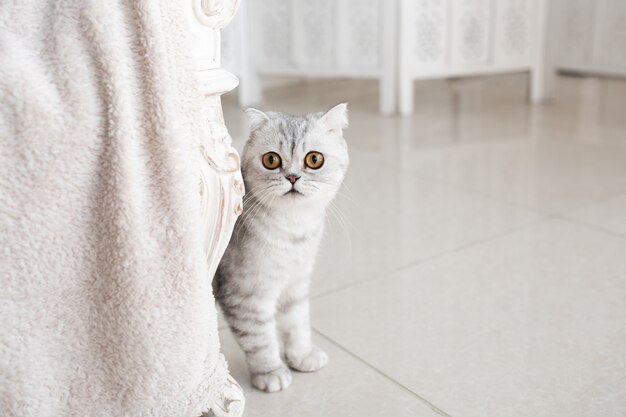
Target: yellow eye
[
  {"x": 314, "y": 160},
  {"x": 271, "y": 160}
]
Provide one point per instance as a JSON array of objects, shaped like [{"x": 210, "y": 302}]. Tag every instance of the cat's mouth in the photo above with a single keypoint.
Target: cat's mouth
[{"x": 293, "y": 191}]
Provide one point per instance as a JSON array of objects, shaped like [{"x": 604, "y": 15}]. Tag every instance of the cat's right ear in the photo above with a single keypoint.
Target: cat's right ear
[
  {"x": 256, "y": 118},
  {"x": 336, "y": 119}
]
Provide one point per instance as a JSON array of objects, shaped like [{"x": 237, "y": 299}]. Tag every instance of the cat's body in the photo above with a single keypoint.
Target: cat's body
[{"x": 262, "y": 282}]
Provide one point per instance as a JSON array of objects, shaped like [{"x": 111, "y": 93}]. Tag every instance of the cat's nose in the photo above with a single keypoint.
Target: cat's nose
[{"x": 292, "y": 178}]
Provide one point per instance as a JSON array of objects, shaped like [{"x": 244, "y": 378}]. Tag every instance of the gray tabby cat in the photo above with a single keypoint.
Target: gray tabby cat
[{"x": 292, "y": 168}]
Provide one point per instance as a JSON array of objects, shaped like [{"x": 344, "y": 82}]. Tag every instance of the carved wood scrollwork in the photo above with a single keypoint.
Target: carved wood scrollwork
[
  {"x": 215, "y": 13},
  {"x": 229, "y": 405},
  {"x": 221, "y": 184}
]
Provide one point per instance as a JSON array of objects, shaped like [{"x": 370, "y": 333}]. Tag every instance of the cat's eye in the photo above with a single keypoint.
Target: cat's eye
[
  {"x": 271, "y": 160},
  {"x": 314, "y": 160}
]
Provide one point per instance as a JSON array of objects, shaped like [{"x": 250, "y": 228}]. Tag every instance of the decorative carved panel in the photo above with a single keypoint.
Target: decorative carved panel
[
  {"x": 370, "y": 38},
  {"x": 470, "y": 32},
  {"x": 513, "y": 31},
  {"x": 429, "y": 30},
  {"x": 314, "y": 32},
  {"x": 362, "y": 32},
  {"x": 272, "y": 28}
]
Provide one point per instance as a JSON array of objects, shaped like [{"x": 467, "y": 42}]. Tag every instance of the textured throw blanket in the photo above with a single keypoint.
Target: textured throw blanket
[{"x": 105, "y": 300}]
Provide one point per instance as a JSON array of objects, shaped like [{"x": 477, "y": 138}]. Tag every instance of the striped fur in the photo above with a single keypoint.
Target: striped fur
[{"x": 262, "y": 282}]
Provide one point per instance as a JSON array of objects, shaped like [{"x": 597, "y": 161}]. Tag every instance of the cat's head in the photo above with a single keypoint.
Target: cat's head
[{"x": 295, "y": 160}]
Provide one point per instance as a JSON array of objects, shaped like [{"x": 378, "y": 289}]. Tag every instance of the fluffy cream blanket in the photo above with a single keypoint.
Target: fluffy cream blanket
[{"x": 105, "y": 301}]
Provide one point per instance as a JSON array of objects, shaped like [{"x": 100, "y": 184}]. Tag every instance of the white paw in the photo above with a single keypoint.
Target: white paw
[
  {"x": 315, "y": 360},
  {"x": 276, "y": 380}
]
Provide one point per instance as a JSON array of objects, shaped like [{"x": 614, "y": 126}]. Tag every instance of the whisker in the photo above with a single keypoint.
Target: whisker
[
  {"x": 333, "y": 210},
  {"x": 262, "y": 207},
  {"x": 248, "y": 214},
  {"x": 345, "y": 222}
]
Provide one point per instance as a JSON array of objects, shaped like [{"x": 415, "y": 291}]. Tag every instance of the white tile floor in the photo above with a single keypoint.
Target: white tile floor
[{"x": 479, "y": 268}]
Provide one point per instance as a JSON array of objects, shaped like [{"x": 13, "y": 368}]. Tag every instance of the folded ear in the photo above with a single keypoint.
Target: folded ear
[
  {"x": 256, "y": 118},
  {"x": 335, "y": 119}
]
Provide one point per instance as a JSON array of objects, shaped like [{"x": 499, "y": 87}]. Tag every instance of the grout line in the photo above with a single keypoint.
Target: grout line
[
  {"x": 499, "y": 235},
  {"x": 486, "y": 195},
  {"x": 432, "y": 406},
  {"x": 573, "y": 220},
  {"x": 599, "y": 200},
  {"x": 473, "y": 191},
  {"x": 422, "y": 261},
  {"x": 491, "y": 197},
  {"x": 562, "y": 214}
]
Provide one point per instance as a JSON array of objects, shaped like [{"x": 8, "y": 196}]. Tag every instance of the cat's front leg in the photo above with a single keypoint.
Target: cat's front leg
[
  {"x": 255, "y": 331},
  {"x": 295, "y": 328}
]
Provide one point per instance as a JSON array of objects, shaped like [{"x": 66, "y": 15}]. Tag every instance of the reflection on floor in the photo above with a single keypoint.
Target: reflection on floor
[{"x": 480, "y": 269}]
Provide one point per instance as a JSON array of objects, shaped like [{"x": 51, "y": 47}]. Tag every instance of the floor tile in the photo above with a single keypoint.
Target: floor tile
[
  {"x": 391, "y": 219},
  {"x": 529, "y": 324},
  {"x": 549, "y": 175},
  {"x": 345, "y": 388},
  {"x": 609, "y": 214}
]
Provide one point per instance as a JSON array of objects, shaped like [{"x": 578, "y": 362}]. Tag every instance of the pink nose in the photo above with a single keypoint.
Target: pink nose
[{"x": 292, "y": 178}]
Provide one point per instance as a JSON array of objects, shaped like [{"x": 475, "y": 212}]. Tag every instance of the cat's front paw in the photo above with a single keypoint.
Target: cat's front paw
[
  {"x": 313, "y": 361},
  {"x": 273, "y": 381}
]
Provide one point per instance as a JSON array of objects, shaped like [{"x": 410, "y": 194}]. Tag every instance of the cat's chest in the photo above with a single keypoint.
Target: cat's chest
[
  {"x": 298, "y": 241},
  {"x": 300, "y": 252},
  {"x": 302, "y": 239}
]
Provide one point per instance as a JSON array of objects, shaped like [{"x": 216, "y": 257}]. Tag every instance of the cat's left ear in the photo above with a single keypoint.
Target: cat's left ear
[{"x": 335, "y": 119}]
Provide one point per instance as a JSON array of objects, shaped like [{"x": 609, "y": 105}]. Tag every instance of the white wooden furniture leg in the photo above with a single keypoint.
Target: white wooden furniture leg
[
  {"x": 542, "y": 72},
  {"x": 221, "y": 185},
  {"x": 405, "y": 44},
  {"x": 389, "y": 51},
  {"x": 405, "y": 92}
]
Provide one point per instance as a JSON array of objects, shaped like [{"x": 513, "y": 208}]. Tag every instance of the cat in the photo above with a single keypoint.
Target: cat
[{"x": 292, "y": 168}]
